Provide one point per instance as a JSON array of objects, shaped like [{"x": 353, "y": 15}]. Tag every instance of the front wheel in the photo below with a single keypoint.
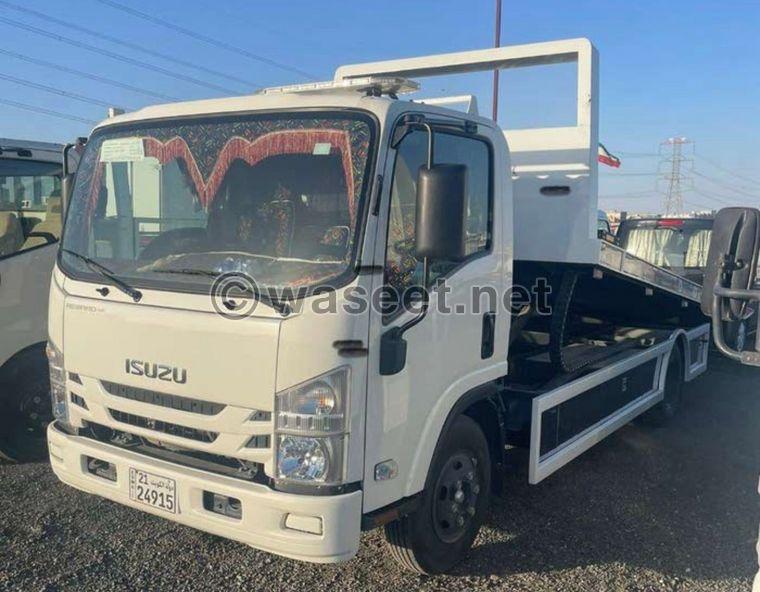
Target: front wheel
[
  {"x": 25, "y": 408},
  {"x": 454, "y": 503}
]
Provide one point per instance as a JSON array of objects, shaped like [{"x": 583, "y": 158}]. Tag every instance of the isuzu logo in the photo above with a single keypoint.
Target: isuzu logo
[{"x": 156, "y": 371}]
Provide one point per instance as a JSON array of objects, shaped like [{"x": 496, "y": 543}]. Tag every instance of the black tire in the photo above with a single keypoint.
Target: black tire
[
  {"x": 667, "y": 409},
  {"x": 454, "y": 503},
  {"x": 25, "y": 409}
]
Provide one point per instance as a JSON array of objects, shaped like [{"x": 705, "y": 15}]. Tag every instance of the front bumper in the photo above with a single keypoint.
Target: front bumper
[{"x": 264, "y": 511}]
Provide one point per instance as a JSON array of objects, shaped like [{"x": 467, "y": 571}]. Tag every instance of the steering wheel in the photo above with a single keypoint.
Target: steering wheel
[{"x": 171, "y": 242}]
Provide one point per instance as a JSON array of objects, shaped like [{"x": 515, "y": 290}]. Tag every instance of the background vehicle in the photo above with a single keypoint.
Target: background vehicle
[
  {"x": 678, "y": 244},
  {"x": 30, "y": 225},
  {"x": 603, "y": 225},
  {"x": 682, "y": 245},
  {"x": 291, "y": 428}
]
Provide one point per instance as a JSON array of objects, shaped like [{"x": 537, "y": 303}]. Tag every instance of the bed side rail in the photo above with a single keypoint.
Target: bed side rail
[{"x": 568, "y": 420}]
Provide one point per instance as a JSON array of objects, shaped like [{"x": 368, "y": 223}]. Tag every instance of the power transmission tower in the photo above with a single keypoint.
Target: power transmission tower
[{"x": 675, "y": 152}]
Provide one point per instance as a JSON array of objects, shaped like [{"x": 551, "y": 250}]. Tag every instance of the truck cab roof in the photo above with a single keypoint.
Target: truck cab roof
[
  {"x": 30, "y": 150},
  {"x": 381, "y": 103}
]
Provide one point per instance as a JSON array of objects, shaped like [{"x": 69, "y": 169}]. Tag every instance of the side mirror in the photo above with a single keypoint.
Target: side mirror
[
  {"x": 441, "y": 212},
  {"x": 729, "y": 292},
  {"x": 733, "y": 256}
]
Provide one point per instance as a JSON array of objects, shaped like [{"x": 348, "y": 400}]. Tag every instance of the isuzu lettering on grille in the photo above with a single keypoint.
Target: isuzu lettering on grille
[{"x": 156, "y": 371}]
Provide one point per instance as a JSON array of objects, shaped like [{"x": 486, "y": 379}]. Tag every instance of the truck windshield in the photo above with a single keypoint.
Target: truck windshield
[
  {"x": 676, "y": 244},
  {"x": 172, "y": 205}
]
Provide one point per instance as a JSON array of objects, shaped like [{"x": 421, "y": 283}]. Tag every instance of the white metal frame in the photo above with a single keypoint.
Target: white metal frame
[
  {"x": 469, "y": 101},
  {"x": 480, "y": 60},
  {"x": 540, "y": 157},
  {"x": 541, "y": 467},
  {"x": 697, "y": 366},
  {"x": 542, "y": 146}
]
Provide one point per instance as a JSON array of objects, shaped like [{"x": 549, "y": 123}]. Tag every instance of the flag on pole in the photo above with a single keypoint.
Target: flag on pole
[{"x": 605, "y": 157}]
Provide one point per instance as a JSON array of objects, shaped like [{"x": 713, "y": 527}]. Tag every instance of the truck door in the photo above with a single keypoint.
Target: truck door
[
  {"x": 30, "y": 224},
  {"x": 461, "y": 341}
]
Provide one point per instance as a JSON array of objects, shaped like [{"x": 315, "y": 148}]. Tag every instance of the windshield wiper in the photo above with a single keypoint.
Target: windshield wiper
[
  {"x": 103, "y": 271},
  {"x": 281, "y": 307},
  {"x": 188, "y": 271}
]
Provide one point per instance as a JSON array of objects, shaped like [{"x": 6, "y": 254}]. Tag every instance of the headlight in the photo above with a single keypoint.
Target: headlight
[
  {"x": 319, "y": 460},
  {"x": 57, "y": 383},
  {"x": 310, "y": 429}
]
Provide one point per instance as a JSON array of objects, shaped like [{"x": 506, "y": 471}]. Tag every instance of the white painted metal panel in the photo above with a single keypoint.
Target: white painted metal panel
[
  {"x": 698, "y": 338},
  {"x": 540, "y": 466}
]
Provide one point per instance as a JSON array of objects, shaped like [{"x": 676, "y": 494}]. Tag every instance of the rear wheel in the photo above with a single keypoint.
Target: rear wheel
[
  {"x": 25, "y": 407},
  {"x": 667, "y": 409},
  {"x": 454, "y": 503}
]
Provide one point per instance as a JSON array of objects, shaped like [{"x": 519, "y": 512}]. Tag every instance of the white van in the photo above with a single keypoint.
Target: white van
[{"x": 30, "y": 225}]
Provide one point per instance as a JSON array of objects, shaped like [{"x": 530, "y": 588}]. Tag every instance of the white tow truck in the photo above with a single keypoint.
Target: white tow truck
[
  {"x": 31, "y": 175},
  {"x": 288, "y": 317}
]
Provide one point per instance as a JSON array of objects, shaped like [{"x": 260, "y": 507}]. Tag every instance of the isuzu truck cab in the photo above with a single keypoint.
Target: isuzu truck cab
[{"x": 288, "y": 317}]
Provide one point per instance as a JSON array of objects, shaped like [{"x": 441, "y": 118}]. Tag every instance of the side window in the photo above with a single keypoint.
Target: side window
[
  {"x": 30, "y": 205},
  {"x": 402, "y": 269}
]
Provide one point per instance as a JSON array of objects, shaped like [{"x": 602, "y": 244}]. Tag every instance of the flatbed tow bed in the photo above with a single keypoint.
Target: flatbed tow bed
[
  {"x": 616, "y": 260},
  {"x": 590, "y": 388}
]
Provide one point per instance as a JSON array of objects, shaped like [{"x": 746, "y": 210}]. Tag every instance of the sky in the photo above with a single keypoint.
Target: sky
[{"x": 667, "y": 69}]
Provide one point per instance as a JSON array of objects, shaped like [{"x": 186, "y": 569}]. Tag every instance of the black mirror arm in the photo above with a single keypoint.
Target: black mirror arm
[
  {"x": 431, "y": 144},
  {"x": 393, "y": 344},
  {"x": 719, "y": 294}
]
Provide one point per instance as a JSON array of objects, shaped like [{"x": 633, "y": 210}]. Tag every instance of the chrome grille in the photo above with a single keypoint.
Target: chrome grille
[
  {"x": 165, "y": 427},
  {"x": 162, "y": 399},
  {"x": 216, "y": 463},
  {"x": 260, "y": 441}
]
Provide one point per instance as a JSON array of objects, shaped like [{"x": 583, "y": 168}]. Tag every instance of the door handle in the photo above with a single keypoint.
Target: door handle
[{"x": 489, "y": 335}]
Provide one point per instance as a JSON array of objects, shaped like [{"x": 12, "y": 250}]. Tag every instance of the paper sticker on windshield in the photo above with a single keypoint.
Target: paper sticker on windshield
[
  {"x": 322, "y": 149},
  {"x": 122, "y": 150}
]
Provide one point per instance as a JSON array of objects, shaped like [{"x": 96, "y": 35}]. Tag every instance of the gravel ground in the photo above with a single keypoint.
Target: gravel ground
[{"x": 646, "y": 510}]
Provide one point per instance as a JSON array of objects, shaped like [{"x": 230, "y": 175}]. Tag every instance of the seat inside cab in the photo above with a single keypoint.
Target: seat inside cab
[
  {"x": 48, "y": 230},
  {"x": 11, "y": 233}
]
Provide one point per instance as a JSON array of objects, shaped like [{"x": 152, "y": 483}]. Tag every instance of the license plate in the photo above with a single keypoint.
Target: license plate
[{"x": 153, "y": 490}]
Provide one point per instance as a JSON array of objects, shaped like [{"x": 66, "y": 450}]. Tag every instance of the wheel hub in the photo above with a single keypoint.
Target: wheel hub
[
  {"x": 35, "y": 410},
  {"x": 456, "y": 500}
]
